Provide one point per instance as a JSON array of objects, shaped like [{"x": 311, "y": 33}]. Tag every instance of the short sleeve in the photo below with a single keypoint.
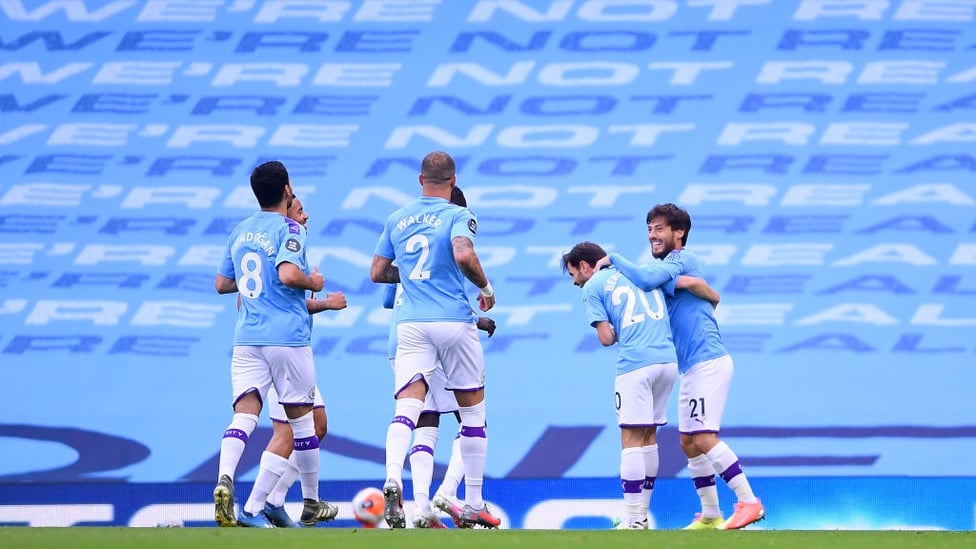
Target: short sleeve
[
  {"x": 291, "y": 245},
  {"x": 384, "y": 246}
]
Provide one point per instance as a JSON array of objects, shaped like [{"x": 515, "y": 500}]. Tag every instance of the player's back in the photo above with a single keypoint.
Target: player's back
[
  {"x": 639, "y": 318},
  {"x": 271, "y": 313},
  {"x": 696, "y": 334},
  {"x": 420, "y": 236}
]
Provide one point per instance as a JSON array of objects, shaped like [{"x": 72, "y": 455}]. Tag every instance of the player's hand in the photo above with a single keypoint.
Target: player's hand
[
  {"x": 335, "y": 301},
  {"x": 601, "y": 263},
  {"x": 485, "y": 303},
  {"x": 486, "y": 324},
  {"x": 316, "y": 280}
]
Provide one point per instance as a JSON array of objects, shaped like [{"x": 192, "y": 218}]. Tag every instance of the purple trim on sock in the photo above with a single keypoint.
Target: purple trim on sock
[
  {"x": 733, "y": 471},
  {"x": 649, "y": 483},
  {"x": 478, "y": 432},
  {"x": 632, "y": 486},
  {"x": 282, "y": 421},
  {"x": 404, "y": 420},
  {"x": 458, "y": 435},
  {"x": 307, "y": 443},
  {"x": 704, "y": 482},
  {"x": 236, "y": 433},
  {"x": 422, "y": 448}
]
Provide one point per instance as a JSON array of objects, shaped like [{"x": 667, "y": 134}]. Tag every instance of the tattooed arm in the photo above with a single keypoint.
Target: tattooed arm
[
  {"x": 467, "y": 260},
  {"x": 383, "y": 270}
]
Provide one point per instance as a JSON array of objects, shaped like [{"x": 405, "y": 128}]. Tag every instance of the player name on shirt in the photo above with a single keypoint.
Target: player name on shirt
[
  {"x": 428, "y": 219},
  {"x": 611, "y": 282},
  {"x": 261, "y": 239}
]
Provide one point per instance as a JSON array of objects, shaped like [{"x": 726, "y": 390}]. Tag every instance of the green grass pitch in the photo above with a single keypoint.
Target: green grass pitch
[{"x": 237, "y": 538}]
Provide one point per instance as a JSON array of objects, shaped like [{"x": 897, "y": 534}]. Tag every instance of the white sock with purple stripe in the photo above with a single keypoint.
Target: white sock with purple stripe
[
  {"x": 474, "y": 452},
  {"x": 632, "y": 480},
  {"x": 726, "y": 463},
  {"x": 422, "y": 466},
  {"x": 306, "y": 452},
  {"x": 703, "y": 475},
  {"x": 232, "y": 445},
  {"x": 398, "y": 435},
  {"x": 651, "y": 465}
]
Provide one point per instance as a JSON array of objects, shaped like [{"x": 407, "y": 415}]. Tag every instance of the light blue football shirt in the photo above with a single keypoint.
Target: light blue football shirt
[
  {"x": 418, "y": 237},
  {"x": 271, "y": 313},
  {"x": 639, "y": 317},
  {"x": 696, "y": 333}
]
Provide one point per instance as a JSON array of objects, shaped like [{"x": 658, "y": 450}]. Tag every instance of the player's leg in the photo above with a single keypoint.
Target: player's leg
[
  {"x": 652, "y": 463},
  {"x": 439, "y": 401},
  {"x": 295, "y": 379},
  {"x": 462, "y": 356},
  {"x": 422, "y": 466},
  {"x": 690, "y": 425},
  {"x": 632, "y": 478},
  {"x": 281, "y": 445},
  {"x": 446, "y": 498},
  {"x": 250, "y": 380},
  {"x": 413, "y": 366},
  {"x": 712, "y": 380},
  {"x": 281, "y": 442},
  {"x": 634, "y": 404},
  {"x": 275, "y": 459},
  {"x": 663, "y": 377}
]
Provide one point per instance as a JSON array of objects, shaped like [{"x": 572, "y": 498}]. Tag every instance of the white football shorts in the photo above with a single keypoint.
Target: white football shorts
[
  {"x": 421, "y": 345},
  {"x": 289, "y": 369},
  {"x": 439, "y": 399},
  {"x": 702, "y": 393},
  {"x": 641, "y": 396},
  {"x": 277, "y": 412}
]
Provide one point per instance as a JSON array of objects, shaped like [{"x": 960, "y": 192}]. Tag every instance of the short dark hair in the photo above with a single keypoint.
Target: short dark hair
[
  {"x": 677, "y": 218},
  {"x": 457, "y": 197},
  {"x": 437, "y": 167},
  {"x": 584, "y": 251},
  {"x": 268, "y": 183}
]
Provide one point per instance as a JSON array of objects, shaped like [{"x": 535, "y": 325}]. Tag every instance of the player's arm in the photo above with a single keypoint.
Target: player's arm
[
  {"x": 335, "y": 301},
  {"x": 225, "y": 282},
  {"x": 383, "y": 270},
  {"x": 225, "y": 285},
  {"x": 294, "y": 277},
  {"x": 699, "y": 287},
  {"x": 646, "y": 277},
  {"x": 467, "y": 260},
  {"x": 605, "y": 332}
]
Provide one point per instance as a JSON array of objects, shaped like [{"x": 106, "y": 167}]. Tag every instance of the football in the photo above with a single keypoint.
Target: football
[{"x": 368, "y": 505}]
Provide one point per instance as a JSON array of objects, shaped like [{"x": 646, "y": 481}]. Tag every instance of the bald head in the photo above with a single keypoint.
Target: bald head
[{"x": 437, "y": 168}]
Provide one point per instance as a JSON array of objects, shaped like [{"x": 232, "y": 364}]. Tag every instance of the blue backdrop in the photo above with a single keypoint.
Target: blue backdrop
[{"x": 824, "y": 152}]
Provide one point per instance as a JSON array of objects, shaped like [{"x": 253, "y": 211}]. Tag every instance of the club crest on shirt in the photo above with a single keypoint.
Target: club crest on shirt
[
  {"x": 473, "y": 226},
  {"x": 293, "y": 245}
]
